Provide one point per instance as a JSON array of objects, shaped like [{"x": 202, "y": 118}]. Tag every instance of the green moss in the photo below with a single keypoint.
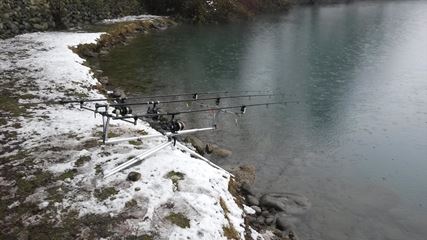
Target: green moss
[
  {"x": 135, "y": 143},
  {"x": 10, "y": 105},
  {"x": 98, "y": 169},
  {"x": 91, "y": 143},
  {"x": 70, "y": 173},
  {"x": 105, "y": 193},
  {"x": 3, "y": 121},
  {"x": 82, "y": 160},
  {"x": 55, "y": 194},
  {"x": 179, "y": 219},
  {"x": 175, "y": 177},
  {"x": 112, "y": 135},
  {"x": 26, "y": 186}
]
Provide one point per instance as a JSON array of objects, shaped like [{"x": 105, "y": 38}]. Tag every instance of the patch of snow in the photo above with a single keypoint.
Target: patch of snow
[{"x": 130, "y": 19}]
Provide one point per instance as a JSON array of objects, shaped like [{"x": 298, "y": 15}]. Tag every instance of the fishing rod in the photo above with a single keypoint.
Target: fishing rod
[
  {"x": 217, "y": 99},
  {"x": 195, "y": 95},
  {"x": 173, "y": 114}
]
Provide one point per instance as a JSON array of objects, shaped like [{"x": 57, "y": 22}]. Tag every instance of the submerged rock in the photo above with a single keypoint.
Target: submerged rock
[
  {"x": 287, "y": 224},
  {"x": 197, "y": 144},
  {"x": 217, "y": 151},
  {"x": 247, "y": 189},
  {"x": 289, "y": 203},
  {"x": 222, "y": 152}
]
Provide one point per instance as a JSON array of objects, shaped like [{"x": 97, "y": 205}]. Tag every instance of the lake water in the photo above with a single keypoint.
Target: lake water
[{"x": 356, "y": 146}]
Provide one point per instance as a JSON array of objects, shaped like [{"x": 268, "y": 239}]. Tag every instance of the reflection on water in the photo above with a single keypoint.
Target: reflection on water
[{"x": 356, "y": 146}]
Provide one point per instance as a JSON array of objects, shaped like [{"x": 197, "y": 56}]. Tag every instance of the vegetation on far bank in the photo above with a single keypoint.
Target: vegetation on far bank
[{"x": 208, "y": 11}]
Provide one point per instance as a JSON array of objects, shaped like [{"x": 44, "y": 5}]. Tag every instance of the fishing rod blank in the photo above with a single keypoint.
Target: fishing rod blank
[
  {"x": 218, "y": 99},
  {"x": 242, "y": 110},
  {"x": 195, "y": 95}
]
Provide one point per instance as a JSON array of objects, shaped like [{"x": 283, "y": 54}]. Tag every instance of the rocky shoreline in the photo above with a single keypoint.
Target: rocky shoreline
[{"x": 274, "y": 213}]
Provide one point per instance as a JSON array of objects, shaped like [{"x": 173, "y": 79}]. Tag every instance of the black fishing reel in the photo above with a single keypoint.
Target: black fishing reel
[
  {"x": 122, "y": 110},
  {"x": 154, "y": 110},
  {"x": 173, "y": 126}
]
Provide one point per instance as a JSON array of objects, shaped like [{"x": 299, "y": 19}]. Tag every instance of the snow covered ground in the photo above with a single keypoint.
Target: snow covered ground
[
  {"x": 177, "y": 197},
  {"x": 130, "y": 19}
]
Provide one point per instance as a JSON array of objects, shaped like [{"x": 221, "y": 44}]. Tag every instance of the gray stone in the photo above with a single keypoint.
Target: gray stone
[
  {"x": 210, "y": 147},
  {"x": 290, "y": 203},
  {"x": 269, "y": 220},
  {"x": 252, "y": 201},
  {"x": 134, "y": 176},
  {"x": 265, "y": 213},
  {"x": 251, "y": 219},
  {"x": 260, "y": 220},
  {"x": 197, "y": 144},
  {"x": 285, "y": 222},
  {"x": 104, "y": 80},
  {"x": 222, "y": 152},
  {"x": 118, "y": 93},
  {"x": 257, "y": 209},
  {"x": 247, "y": 189}
]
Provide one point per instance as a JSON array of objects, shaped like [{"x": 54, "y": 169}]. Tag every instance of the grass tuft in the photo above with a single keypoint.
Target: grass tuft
[{"x": 179, "y": 219}]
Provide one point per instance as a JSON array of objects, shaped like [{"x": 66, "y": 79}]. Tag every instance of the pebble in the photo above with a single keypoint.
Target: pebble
[
  {"x": 257, "y": 209},
  {"x": 134, "y": 176}
]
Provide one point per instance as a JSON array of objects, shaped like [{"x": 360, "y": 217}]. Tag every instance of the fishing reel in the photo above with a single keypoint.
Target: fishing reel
[
  {"x": 173, "y": 126},
  {"x": 122, "y": 110},
  {"x": 154, "y": 110}
]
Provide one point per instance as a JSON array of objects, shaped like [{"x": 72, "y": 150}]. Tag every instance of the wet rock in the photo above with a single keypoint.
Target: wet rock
[
  {"x": 134, "y": 176},
  {"x": 257, "y": 209},
  {"x": 285, "y": 222},
  {"x": 252, "y": 201},
  {"x": 260, "y": 220},
  {"x": 104, "y": 80},
  {"x": 118, "y": 93},
  {"x": 247, "y": 189},
  {"x": 210, "y": 147},
  {"x": 222, "y": 152},
  {"x": 245, "y": 174},
  {"x": 217, "y": 151},
  {"x": 265, "y": 213},
  {"x": 290, "y": 203},
  {"x": 197, "y": 144},
  {"x": 269, "y": 221},
  {"x": 251, "y": 219}
]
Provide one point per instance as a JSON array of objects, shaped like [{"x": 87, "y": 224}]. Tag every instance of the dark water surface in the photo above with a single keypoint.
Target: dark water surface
[{"x": 356, "y": 146}]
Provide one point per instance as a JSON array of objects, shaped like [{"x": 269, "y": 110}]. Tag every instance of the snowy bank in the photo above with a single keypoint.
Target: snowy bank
[{"x": 177, "y": 197}]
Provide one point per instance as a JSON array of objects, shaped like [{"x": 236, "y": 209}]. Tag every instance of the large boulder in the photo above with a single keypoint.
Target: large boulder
[
  {"x": 290, "y": 203},
  {"x": 245, "y": 174}
]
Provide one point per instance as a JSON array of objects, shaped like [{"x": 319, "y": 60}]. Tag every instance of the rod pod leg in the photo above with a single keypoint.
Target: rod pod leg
[{"x": 138, "y": 158}]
